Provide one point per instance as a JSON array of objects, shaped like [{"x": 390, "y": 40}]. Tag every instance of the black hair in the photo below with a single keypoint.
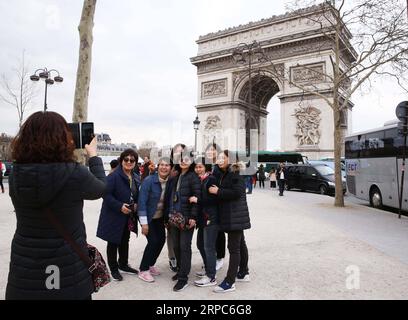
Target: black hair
[
  {"x": 183, "y": 146},
  {"x": 114, "y": 163},
  {"x": 128, "y": 152},
  {"x": 201, "y": 160}
]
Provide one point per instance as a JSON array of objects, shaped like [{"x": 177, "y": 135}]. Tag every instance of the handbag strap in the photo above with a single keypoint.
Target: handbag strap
[{"x": 58, "y": 226}]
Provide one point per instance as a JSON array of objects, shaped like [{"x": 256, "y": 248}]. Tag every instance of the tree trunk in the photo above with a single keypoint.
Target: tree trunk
[
  {"x": 80, "y": 113},
  {"x": 338, "y": 143}
]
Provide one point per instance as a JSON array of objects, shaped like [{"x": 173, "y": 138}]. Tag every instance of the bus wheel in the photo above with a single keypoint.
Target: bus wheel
[
  {"x": 376, "y": 198},
  {"x": 323, "y": 189}
]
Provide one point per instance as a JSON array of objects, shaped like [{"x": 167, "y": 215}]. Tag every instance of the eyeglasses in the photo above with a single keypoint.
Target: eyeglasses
[{"x": 129, "y": 160}]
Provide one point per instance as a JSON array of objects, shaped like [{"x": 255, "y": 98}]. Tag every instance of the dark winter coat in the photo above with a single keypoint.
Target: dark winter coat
[
  {"x": 112, "y": 220},
  {"x": 233, "y": 208},
  {"x": 208, "y": 206},
  {"x": 190, "y": 185},
  {"x": 37, "y": 244},
  {"x": 278, "y": 172}
]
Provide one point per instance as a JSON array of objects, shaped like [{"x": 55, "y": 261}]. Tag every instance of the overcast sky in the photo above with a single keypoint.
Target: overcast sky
[{"x": 143, "y": 85}]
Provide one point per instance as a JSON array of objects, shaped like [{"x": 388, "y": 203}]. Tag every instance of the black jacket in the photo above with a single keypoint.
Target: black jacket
[
  {"x": 190, "y": 185},
  {"x": 37, "y": 244},
  {"x": 208, "y": 204},
  {"x": 233, "y": 208},
  {"x": 278, "y": 172}
]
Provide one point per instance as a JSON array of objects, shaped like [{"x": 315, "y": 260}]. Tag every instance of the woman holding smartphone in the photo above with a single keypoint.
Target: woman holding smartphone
[{"x": 119, "y": 201}]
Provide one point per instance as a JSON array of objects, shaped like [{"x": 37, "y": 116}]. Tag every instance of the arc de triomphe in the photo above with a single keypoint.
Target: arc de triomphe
[{"x": 292, "y": 42}]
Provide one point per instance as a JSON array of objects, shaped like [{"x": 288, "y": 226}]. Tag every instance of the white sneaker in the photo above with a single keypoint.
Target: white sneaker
[
  {"x": 220, "y": 263},
  {"x": 242, "y": 278},
  {"x": 205, "y": 282},
  {"x": 201, "y": 273}
]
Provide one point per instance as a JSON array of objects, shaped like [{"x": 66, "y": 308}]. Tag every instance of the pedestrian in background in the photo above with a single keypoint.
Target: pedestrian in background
[
  {"x": 261, "y": 176},
  {"x": 119, "y": 202},
  {"x": 281, "y": 177},
  {"x": 2, "y": 172},
  {"x": 272, "y": 178}
]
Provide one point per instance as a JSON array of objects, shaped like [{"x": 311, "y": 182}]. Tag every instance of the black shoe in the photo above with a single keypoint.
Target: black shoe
[
  {"x": 175, "y": 277},
  {"x": 243, "y": 277},
  {"x": 128, "y": 269},
  {"x": 116, "y": 276},
  {"x": 180, "y": 285}
]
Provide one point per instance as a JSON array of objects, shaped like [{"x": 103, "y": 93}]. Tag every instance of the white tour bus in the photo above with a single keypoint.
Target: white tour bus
[{"x": 373, "y": 166}]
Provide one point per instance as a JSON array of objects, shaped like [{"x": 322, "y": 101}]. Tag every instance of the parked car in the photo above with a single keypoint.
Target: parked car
[
  {"x": 308, "y": 177},
  {"x": 329, "y": 163}
]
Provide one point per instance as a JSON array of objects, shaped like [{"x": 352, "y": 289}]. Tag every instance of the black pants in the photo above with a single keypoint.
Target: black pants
[
  {"x": 182, "y": 250},
  {"x": 262, "y": 183},
  {"x": 273, "y": 184},
  {"x": 1, "y": 183},
  {"x": 220, "y": 245},
  {"x": 238, "y": 251},
  {"x": 281, "y": 184},
  {"x": 156, "y": 238},
  {"x": 123, "y": 249}
]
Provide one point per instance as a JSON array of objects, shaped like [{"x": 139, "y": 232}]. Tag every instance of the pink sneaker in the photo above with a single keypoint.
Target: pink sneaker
[
  {"x": 146, "y": 276},
  {"x": 154, "y": 271}
]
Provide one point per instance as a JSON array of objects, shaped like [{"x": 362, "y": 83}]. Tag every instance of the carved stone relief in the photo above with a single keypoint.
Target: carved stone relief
[
  {"x": 212, "y": 89},
  {"x": 307, "y": 74},
  {"x": 307, "y": 126}
]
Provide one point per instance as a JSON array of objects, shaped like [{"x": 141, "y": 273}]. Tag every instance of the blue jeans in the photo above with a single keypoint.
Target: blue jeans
[
  {"x": 206, "y": 243},
  {"x": 249, "y": 184}
]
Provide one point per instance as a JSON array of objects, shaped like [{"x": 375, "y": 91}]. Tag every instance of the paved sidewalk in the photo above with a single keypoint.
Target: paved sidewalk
[{"x": 299, "y": 246}]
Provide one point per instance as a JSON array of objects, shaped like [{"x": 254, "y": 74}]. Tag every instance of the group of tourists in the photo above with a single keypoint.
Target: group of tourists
[
  {"x": 173, "y": 198},
  {"x": 183, "y": 193}
]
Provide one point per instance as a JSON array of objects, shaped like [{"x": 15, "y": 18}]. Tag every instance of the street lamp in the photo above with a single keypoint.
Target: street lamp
[
  {"x": 196, "y": 124},
  {"x": 245, "y": 53},
  {"x": 47, "y": 76}
]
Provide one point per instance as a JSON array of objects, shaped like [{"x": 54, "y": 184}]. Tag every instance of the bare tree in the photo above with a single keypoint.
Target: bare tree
[
  {"x": 18, "y": 90},
  {"x": 85, "y": 27},
  {"x": 367, "y": 39},
  {"x": 80, "y": 112},
  {"x": 146, "y": 147}
]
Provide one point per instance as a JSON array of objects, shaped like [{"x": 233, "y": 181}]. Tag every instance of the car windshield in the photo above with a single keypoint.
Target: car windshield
[{"x": 324, "y": 170}]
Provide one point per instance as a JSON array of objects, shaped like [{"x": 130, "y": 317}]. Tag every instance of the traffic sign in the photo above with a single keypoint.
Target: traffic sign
[{"x": 402, "y": 111}]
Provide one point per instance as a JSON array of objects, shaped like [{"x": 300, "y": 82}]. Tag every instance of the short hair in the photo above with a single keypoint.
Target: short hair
[
  {"x": 43, "y": 138},
  {"x": 114, "y": 163},
  {"x": 128, "y": 152},
  {"x": 165, "y": 159}
]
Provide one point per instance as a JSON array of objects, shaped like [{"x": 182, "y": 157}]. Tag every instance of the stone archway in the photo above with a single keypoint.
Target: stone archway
[{"x": 294, "y": 44}]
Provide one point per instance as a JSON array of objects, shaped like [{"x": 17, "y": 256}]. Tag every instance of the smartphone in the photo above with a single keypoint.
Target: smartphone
[{"x": 82, "y": 133}]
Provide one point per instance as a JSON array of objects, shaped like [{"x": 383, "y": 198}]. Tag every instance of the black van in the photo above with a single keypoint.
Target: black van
[{"x": 306, "y": 177}]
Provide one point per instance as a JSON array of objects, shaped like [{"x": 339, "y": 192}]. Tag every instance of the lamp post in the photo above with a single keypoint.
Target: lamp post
[
  {"x": 196, "y": 124},
  {"x": 244, "y": 53},
  {"x": 47, "y": 76}
]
